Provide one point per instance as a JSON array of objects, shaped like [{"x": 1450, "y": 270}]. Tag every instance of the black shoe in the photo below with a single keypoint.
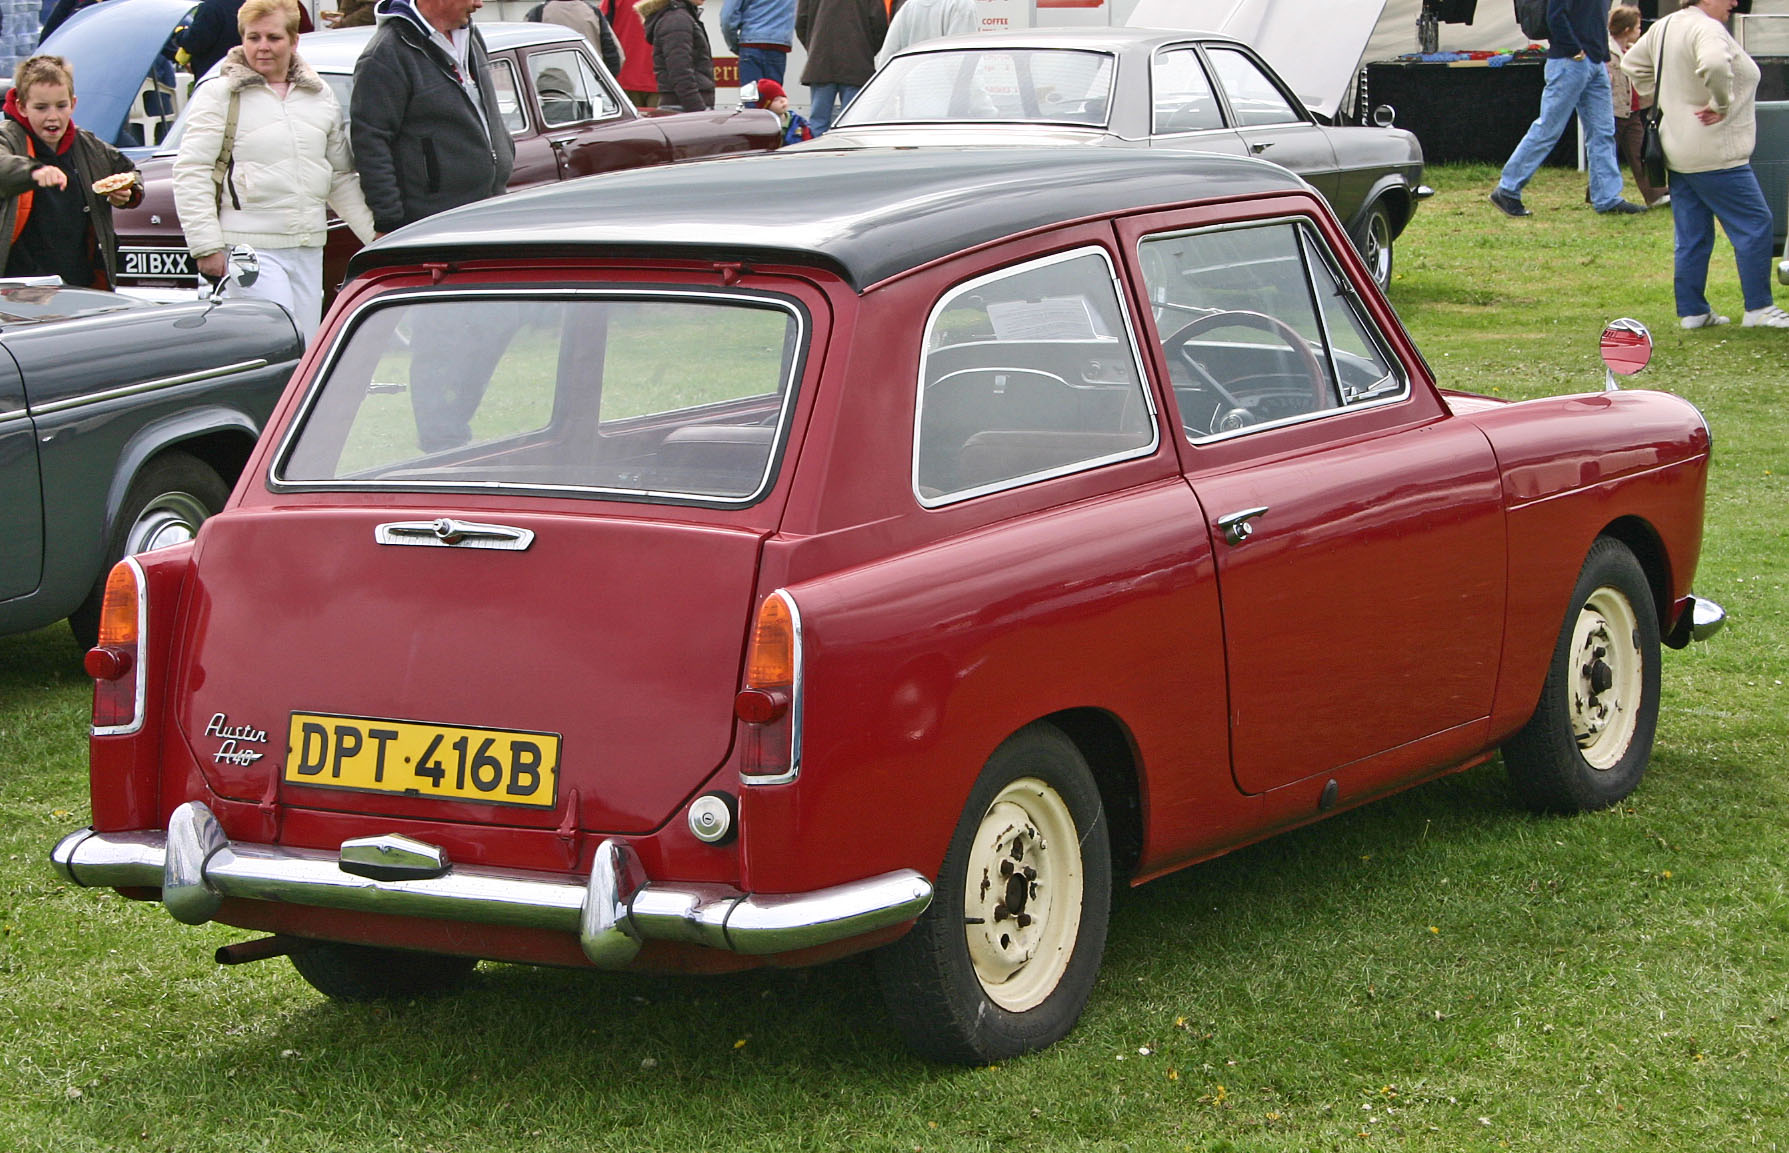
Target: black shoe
[
  {"x": 1511, "y": 204},
  {"x": 1623, "y": 208}
]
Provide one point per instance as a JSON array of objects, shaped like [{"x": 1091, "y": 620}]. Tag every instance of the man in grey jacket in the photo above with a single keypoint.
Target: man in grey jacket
[{"x": 427, "y": 131}]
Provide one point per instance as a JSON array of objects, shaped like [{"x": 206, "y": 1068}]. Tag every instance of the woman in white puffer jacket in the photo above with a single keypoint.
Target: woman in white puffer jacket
[{"x": 289, "y": 162}]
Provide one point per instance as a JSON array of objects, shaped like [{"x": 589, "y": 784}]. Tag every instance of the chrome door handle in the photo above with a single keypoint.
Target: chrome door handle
[
  {"x": 1260, "y": 146},
  {"x": 1235, "y": 525}
]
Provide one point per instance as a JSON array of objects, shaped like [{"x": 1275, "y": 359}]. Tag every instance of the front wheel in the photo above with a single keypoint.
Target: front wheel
[
  {"x": 365, "y": 973},
  {"x": 1590, "y": 738},
  {"x": 1003, "y": 960}
]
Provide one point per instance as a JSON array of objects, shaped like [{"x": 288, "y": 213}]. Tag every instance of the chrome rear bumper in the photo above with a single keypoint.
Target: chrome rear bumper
[{"x": 613, "y": 912}]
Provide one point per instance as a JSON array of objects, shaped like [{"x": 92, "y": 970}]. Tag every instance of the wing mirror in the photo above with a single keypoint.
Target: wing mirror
[
  {"x": 1384, "y": 115},
  {"x": 1626, "y": 348},
  {"x": 244, "y": 270}
]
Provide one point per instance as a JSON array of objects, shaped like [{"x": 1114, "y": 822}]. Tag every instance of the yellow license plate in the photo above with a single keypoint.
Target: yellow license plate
[{"x": 444, "y": 762}]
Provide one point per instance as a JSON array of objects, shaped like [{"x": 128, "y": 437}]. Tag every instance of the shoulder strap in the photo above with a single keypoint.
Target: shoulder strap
[{"x": 220, "y": 172}]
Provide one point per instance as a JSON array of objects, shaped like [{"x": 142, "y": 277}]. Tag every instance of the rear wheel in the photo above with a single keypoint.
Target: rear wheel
[
  {"x": 1590, "y": 738},
  {"x": 1375, "y": 244},
  {"x": 165, "y": 505},
  {"x": 1003, "y": 960},
  {"x": 365, "y": 973}
]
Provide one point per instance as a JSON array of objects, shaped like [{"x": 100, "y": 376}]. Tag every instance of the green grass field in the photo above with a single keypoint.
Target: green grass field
[{"x": 1438, "y": 971}]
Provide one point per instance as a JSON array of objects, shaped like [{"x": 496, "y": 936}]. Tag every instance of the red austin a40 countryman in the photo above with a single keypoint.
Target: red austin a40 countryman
[{"x": 896, "y": 560}]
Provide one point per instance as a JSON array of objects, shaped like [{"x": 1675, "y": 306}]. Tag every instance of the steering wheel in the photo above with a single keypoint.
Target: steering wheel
[{"x": 1177, "y": 346}]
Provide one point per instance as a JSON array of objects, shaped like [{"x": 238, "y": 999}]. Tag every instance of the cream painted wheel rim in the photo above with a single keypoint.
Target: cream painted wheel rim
[
  {"x": 1022, "y": 895},
  {"x": 1607, "y": 677}
]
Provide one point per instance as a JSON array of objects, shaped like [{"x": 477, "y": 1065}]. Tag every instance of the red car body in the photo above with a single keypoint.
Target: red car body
[
  {"x": 777, "y": 649},
  {"x": 584, "y": 126}
]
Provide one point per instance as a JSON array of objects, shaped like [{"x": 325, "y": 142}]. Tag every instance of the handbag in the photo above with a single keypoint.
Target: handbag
[
  {"x": 1652, "y": 148},
  {"x": 1652, "y": 144}
]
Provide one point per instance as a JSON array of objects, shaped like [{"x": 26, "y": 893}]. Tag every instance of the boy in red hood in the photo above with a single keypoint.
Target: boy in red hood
[{"x": 53, "y": 222}]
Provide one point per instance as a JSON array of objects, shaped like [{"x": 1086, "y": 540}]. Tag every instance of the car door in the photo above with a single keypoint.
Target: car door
[
  {"x": 1357, "y": 528},
  {"x": 535, "y": 161},
  {"x": 21, "y": 496},
  {"x": 587, "y": 124},
  {"x": 1269, "y": 119}
]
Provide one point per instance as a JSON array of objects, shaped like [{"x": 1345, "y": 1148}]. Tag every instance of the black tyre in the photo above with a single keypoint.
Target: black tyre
[
  {"x": 1003, "y": 960},
  {"x": 1590, "y": 738},
  {"x": 1375, "y": 242},
  {"x": 364, "y": 973},
  {"x": 166, "y": 503}
]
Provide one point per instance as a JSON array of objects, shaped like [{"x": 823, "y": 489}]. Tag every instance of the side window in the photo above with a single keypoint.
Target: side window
[
  {"x": 1028, "y": 373},
  {"x": 1254, "y": 98},
  {"x": 569, "y": 90},
  {"x": 1182, "y": 93},
  {"x": 509, "y": 100},
  {"x": 1258, "y": 329}
]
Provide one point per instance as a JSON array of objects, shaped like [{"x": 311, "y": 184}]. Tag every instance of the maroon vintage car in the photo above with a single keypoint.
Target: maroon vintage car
[
  {"x": 563, "y": 109},
  {"x": 898, "y": 560}
]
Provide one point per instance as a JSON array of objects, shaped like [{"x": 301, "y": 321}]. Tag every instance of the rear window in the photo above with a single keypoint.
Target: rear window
[{"x": 679, "y": 397}]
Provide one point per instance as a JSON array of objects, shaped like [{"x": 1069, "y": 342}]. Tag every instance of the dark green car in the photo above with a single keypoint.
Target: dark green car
[{"x": 122, "y": 427}]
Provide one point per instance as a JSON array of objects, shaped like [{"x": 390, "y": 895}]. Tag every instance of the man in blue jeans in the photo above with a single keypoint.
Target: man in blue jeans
[
  {"x": 1577, "y": 80},
  {"x": 760, "y": 31}
]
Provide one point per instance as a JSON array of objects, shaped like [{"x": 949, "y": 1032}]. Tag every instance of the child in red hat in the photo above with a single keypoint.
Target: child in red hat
[{"x": 772, "y": 96}]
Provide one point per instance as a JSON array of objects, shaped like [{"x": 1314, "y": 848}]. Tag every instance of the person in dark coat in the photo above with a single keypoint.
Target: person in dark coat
[
  {"x": 54, "y": 15},
  {"x": 211, "y": 35},
  {"x": 427, "y": 132},
  {"x": 680, "y": 53},
  {"x": 842, "y": 38}
]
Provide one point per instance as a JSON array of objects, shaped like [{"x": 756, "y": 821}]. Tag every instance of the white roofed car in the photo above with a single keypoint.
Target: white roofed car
[{"x": 1137, "y": 88}]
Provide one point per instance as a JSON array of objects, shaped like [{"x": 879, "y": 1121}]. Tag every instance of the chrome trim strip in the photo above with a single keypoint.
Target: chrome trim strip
[
  {"x": 14, "y": 414},
  {"x": 151, "y": 386},
  {"x": 446, "y": 532},
  {"x": 613, "y": 914}
]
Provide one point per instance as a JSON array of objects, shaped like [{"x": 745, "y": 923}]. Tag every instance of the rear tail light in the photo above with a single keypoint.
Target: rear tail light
[
  {"x": 115, "y": 663},
  {"x": 769, "y": 706}
]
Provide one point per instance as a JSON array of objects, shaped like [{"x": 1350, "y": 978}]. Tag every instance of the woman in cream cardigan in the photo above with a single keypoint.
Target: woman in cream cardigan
[
  {"x": 289, "y": 158},
  {"x": 1707, "y": 90}
]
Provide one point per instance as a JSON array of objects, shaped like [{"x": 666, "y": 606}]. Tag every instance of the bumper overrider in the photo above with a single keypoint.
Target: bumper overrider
[{"x": 613, "y": 913}]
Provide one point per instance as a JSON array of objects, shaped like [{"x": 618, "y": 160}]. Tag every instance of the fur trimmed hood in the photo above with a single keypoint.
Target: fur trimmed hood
[{"x": 235, "y": 72}]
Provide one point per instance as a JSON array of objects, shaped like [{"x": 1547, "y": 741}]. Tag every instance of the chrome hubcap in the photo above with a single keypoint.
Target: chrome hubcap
[
  {"x": 1022, "y": 904},
  {"x": 1378, "y": 251},
  {"x": 1606, "y": 677},
  {"x": 171, "y": 518}
]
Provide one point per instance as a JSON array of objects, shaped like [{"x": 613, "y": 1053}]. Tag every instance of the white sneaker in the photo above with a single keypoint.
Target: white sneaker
[
  {"x": 1707, "y": 320},
  {"x": 1770, "y": 316}
]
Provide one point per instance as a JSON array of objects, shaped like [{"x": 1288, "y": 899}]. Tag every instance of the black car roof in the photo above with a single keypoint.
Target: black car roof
[{"x": 868, "y": 214}]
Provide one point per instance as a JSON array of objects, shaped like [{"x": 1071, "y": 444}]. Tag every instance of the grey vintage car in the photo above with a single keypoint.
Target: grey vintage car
[
  {"x": 1138, "y": 88},
  {"x": 122, "y": 427}
]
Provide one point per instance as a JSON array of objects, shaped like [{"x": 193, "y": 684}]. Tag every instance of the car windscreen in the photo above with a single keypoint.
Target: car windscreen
[
  {"x": 682, "y": 397},
  {"x": 1042, "y": 85}
]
